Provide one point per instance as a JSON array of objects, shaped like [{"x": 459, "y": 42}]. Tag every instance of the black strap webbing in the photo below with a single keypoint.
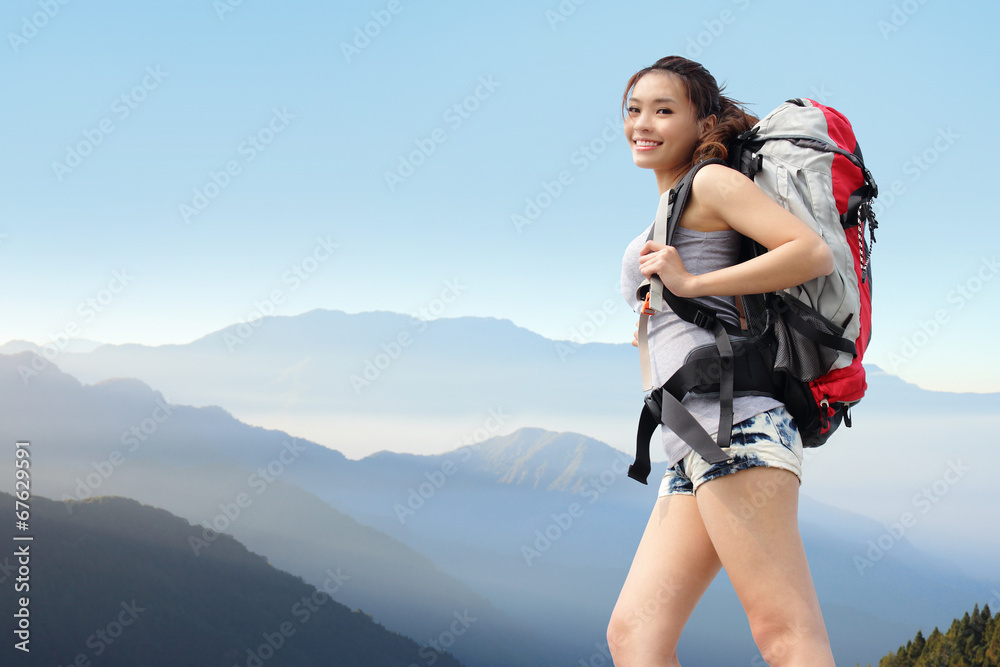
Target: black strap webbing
[
  {"x": 808, "y": 330},
  {"x": 751, "y": 373},
  {"x": 647, "y": 425},
  {"x": 703, "y": 316},
  {"x": 682, "y": 423},
  {"x": 725, "y": 347}
]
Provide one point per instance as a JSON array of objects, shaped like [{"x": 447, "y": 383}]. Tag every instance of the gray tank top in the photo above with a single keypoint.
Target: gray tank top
[{"x": 671, "y": 339}]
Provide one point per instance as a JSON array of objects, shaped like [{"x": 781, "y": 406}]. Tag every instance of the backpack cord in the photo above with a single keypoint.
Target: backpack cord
[{"x": 866, "y": 215}]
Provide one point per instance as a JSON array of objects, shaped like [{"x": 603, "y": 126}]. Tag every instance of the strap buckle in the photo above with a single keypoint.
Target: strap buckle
[
  {"x": 704, "y": 320},
  {"x": 654, "y": 401},
  {"x": 645, "y": 307},
  {"x": 826, "y": 412}
]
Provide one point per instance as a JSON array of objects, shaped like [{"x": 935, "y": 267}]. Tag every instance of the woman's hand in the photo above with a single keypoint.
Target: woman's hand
[
  {"x": 722, "y": 198},
  {"x": 663, "y": 260}
]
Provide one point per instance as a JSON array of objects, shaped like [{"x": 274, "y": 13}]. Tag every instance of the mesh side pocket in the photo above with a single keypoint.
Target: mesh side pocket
[{"x": 798, "y": 354}]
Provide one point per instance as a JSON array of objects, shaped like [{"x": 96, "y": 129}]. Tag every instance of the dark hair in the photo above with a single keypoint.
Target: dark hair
[{"x": 707, "y": 99}]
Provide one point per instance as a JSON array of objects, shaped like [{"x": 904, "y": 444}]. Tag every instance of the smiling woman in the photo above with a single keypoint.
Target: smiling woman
[{"x": 676, "y": 119}]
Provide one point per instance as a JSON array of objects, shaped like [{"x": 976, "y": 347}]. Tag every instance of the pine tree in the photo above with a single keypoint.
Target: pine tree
[
  {"x": 933, "y": 654},
  {"x": 991, "y": 639},
  {"x": 915, "y": 648}
]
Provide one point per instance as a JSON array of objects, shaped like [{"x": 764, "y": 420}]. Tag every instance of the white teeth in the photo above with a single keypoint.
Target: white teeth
[{"x": 643, "y": 142}]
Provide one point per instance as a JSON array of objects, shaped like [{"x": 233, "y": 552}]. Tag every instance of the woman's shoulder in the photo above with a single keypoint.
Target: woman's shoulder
[
  {"x": 718, "y": 180},
  {"x": 714, "y": 187}
]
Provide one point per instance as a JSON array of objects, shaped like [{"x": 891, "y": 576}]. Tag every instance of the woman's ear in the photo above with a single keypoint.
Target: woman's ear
[{"x": 708, "y": 124}]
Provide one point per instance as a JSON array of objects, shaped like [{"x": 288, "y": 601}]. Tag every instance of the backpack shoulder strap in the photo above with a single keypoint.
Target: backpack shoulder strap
[
  {"x": 683, "y": 190},
  {"x": 668, "y": 216},
  {"x": 673, "y": 203}
]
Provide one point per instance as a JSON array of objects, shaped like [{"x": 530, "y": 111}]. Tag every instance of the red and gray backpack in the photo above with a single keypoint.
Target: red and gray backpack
[{"x": 804, "y": 345}]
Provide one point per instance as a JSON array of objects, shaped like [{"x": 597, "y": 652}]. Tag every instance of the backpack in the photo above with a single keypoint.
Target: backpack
[{"x": 804, "y": 345}]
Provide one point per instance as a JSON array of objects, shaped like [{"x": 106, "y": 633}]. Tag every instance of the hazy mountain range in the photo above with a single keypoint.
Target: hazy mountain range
[
  {"x": 531, "y": 532},
  {"x": 433, "y": 386},
  {"x": 200, "y": 464},
  {"x": 115, "y": 583}
]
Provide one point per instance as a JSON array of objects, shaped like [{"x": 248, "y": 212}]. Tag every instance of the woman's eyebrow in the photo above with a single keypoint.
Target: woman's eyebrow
[{"x": 658, "y": 100}]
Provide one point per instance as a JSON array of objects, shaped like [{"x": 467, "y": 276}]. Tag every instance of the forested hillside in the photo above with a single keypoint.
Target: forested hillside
[{"x": 972, "y": 641}]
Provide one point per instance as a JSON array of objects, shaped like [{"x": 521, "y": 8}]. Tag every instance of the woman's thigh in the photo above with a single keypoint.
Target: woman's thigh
[
  {"x": 673, "y": 565},
  {"x": 752, "y": 519}
]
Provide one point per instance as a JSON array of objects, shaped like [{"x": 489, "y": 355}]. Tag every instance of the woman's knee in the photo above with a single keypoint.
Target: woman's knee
[
  {"x": 624, "y": 633},
  {"x": 619, "y": 636},
  {"x": 781, "y": 638},
  {"x": 636, "y": 636}
]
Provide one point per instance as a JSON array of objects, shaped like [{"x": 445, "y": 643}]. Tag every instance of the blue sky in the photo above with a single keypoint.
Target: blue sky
[{"x": 174, "y": 168}]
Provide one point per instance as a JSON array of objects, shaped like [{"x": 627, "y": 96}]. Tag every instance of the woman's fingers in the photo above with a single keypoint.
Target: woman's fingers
[
  {"x": 651, "y": 246},
  {"x": 664, "y": 262}
]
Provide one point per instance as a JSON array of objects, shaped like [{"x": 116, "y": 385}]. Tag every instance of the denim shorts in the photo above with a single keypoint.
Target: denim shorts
[{"x": 768, "y": 439}]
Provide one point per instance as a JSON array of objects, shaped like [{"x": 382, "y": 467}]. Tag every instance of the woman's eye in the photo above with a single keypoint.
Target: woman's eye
[{"x": 666, "y": 111}]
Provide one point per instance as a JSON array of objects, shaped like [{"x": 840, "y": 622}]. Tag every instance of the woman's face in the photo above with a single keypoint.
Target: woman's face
[{"x": 661, "y": 126}]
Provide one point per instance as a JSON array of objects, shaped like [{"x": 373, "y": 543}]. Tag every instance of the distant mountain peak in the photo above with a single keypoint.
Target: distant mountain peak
[
  {"x": 127, "y": 385},
  {"x": 545, "y": 459}
]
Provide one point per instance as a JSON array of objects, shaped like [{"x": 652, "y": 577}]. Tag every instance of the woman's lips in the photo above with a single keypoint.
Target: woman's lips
[{"x": 646, "y": 145}]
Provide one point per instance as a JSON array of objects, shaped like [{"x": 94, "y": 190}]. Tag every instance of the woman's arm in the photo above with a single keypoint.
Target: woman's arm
[{"x": 722, "y": 197}]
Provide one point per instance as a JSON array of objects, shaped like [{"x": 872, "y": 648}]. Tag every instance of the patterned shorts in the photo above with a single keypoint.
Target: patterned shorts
[{"x": 768, "y": 439}]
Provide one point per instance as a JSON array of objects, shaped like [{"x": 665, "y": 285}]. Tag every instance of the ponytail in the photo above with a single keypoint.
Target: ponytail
[{"x": 731, "y": 121}]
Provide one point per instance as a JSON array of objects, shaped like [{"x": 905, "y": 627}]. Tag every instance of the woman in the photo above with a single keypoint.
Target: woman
[{"x": 741, "y": 515}]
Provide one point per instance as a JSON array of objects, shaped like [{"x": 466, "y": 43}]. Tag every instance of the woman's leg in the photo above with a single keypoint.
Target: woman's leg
[
  {"x": 674, "y": 564},
  {"x": 752, "y": 519}
]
